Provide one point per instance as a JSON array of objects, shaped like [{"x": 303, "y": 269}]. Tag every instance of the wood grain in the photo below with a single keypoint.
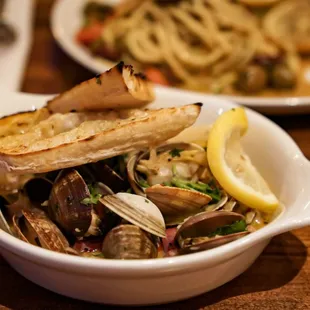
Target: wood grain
[{"x": 279, "y": 279}]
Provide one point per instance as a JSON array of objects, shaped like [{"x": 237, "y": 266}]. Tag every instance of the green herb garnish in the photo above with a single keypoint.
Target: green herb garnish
[
  {"x": 238, "y": 226},
  {"x": 167, "y": 184},
  {"x": 174, "y": 169},
  {"x": 175, "y": 152},
  {"x": 94, "y": 197},
  {"x": 199, "y": 187},
  {"x": 143, "y": 183}
]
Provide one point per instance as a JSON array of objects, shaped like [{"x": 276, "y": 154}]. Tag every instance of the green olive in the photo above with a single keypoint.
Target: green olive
[
  {"x": 252, "y": 79},
  {"x": 282, "y": 77}
]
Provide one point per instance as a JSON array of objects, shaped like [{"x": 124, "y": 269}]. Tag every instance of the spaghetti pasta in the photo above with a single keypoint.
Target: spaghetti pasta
[{"x": 199, "y": 44}]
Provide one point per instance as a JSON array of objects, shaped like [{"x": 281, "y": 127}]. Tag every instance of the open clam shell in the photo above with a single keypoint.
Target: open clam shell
[
  {"x": 176, "y": 204},
  {"x": 12, "y": 205},
  {"x": 137, "y": 210},
  {"x": 35, "y": 227},
  {"x": 132, "y": 175},
  {"x": 38, "y": 189},
  {"x": 66, "y": 206},
  {"x": 196, "y": 233},
  {"x": 202, "y": 244},
  {"x": 218, "y": 205},
  {"x": 4, "y": 225},
  {"x": 105, "y": 174},
  {"x": 128, "y": 242},
  {"x": 135, "y": 158}
]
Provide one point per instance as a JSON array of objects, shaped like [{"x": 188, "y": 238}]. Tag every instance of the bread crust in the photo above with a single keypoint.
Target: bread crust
[
  {"x": 95, "y": 140},
  {"x": 117, "y": 88},
  {"x": 19, "y": 123}
]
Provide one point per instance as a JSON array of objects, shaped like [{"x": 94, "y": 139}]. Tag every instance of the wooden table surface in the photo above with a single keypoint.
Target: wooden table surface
[{"x": 279, "y": 279}]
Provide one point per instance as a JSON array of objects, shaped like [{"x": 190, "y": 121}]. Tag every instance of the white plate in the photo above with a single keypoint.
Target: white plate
[
  {"x": 165, "y": 280},
  {"x": 66, "y": 19},
  {"x": 14, "y": 58}
]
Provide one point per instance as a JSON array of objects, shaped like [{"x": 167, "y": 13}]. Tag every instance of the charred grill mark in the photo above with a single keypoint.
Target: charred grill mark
[
  {"x": 90, "y": 138},
  {"x": 21, "y": 124},
  {"x": 120, "y": 66},
  {"x": 141, "y": 75}
]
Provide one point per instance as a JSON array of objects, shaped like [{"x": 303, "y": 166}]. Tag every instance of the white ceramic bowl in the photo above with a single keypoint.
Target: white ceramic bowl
[
  {"x": 169, "y": 279},
  {"x": 67, "y": 18}
]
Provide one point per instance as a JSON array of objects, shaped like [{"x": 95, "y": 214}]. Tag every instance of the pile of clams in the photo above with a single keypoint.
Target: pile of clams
[{"x": 150, "y": 204}]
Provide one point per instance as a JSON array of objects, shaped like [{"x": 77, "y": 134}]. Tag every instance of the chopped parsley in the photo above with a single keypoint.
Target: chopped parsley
[
  {"x": 238, "y": 226},
  {"x": 175, "y": 152},
  {"x": 174, "y": 169},
  {"x": 143, "y": 183},
  {"x": 94, "y": 196},
  {"x": 204, "y": 188}
]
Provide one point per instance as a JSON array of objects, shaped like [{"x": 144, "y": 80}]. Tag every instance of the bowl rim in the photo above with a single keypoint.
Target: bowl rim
[{"x": 163, "y": 266}]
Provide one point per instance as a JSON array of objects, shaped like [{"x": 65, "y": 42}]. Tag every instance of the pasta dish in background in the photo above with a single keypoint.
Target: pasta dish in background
[{"x": 217, "y": 46}]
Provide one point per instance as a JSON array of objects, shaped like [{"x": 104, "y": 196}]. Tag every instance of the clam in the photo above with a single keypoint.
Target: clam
[
  {"x": 220, "y": 204},
  {"x": 38, "y": 189},
  {"x": 4, "y": 225},
  {"x": 108, "y": 219},
  {"x": 106, "y": 174},
  {"x": 171, "y": 177},
  {"x": 208, "y": 230},
  {"x": 137, "y": 210},
  {"x": 68, "y": 205},
  {"x": 35, "y": 227},
  {"x": 12, "y": 205},
  {"x": 176, "y": 204},
  {"x": 128, "y": 242}
]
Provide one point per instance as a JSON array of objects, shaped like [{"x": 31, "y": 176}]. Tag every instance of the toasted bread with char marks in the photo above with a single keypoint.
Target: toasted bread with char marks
[{"x": 95, "y": 140}]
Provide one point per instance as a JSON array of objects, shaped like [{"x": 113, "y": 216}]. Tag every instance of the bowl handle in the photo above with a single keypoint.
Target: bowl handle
[
  {"x": 302, "y": 217},
  {"x": 307, "y": 207}
]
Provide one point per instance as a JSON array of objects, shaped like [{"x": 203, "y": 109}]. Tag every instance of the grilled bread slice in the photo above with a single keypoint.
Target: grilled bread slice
[
  {"x": 29, "y": 127},
  {"x": 93, "y": 140},
  {"x": 117, "y": 88},
  {"x": 20, "y": 123}
]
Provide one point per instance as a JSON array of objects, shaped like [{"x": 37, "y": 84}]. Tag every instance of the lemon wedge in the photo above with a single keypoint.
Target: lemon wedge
[{"x": 231, "y": 166}]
